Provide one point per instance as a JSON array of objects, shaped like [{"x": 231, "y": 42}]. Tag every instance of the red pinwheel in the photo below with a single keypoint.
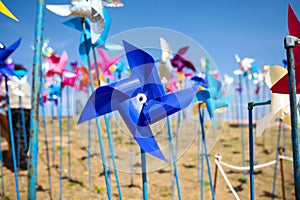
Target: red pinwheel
[
  {"x": 294, "y": 29},
  {"x": 140, "y": 100},
  {"x": 179, "y": 61}
]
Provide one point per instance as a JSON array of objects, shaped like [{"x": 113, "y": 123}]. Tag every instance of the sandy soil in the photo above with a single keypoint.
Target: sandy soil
[{"x": 228, "y": 145}]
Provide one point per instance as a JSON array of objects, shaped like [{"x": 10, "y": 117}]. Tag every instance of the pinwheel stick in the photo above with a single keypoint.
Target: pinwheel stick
[
  {"x": 281, "y": 151},
  {"x": 1, "y": 160},
  {"x": 59, "y": 111},
  {"x": 47, "y": 151},
  {"x": 108, "y": 188},
  {"x": 69, "y": 140},
  {"x": 251, "y": 105},
  {"x": 53, "y": 133},
  {"x": 201, "y": 119},
  {"x": 34, "y": 128},
  {"x": 11, "y": 133},
  {"x": 242, "y": 128},
  {"x": 277, "y": 157},
  {"x": 110, "y": 140},
  {"x": 289, "y": 43},
  {"x": 144, "y": 174},
  {"x": 174, "y": 159}
]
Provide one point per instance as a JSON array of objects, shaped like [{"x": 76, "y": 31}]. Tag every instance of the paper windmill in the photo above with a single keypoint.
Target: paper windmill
[
  {"x": 57, "y": 66},
  {"x": 280, "y": 104},
  {"x": 179, "y": 61},
  {"x": 119, "y": 67},
  {"x": 294, "y": 29},
  {"x": 77, "y": 24},
  {"x": 4, "y": 54},
  {"x": 105, "y": 62},
  {"x": 5, "y": 11},
  {"x": 140, "y": 100},
  {"x": 91, "y": 9},
  {"x": 113, "y": 3},
  {"x": 85, "y": 79},
  {"x": 211, "y": 96},
  {"x": 52, "y": 92}
]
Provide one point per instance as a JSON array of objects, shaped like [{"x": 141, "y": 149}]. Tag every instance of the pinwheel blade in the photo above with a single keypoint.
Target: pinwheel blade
[
  {"x": 5, "y": 11},
  {"x": 7, "y": 72},
  {"x": 105, "y": 99},
  {"x": 215, "y": 86},
  {"x": 168, "y": 104},
  {"x": 61, "y": 10},
  {"x": 75, "y": 23},
  {"x": 5, "y": 53},
  {"x": 131, "y": 112},
  {"x": 294, "y": 29},
  {"x": 205, "y": 96},
  {"x": 142, "y": 66}
]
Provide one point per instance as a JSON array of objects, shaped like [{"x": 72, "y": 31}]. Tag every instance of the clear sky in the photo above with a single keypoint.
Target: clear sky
[{"x": 252, "y": 28}]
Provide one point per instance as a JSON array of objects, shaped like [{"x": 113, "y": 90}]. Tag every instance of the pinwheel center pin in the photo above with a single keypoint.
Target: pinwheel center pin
[{"x": 141, "y": 98}]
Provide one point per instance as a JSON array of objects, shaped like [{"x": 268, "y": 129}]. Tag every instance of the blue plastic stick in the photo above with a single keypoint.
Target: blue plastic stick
[
  {"x": 1, "y": 159},
  {"x": 53, "y": 132},
  {"x": 289, "y": 44},
  {"x": 47, "y": 151},
  {"x": 202, "y": 172},
  {"x": 69, "y": 137},
  {"x": 35, "y": 99},
  {"x": 144, "y": 174},
  {"x": 201, "y": 118},
  {"x": 89, "y": 153},
  {"x": 252, "y": 197},
  {"x": 131, "y": 161},
  {"x": 174, "y": 159},
  {"x": 277, "y": 156},
  {"x": 242, "y": 129},
  {"x": 251, "y": 105},
  {"x": 111, "y": 148},
  {"x": 200, "y": 166},
  {"x": 108, "y": 190},
  {"x": 59, "y": 111},
  {"x": 11, "y": 131}
]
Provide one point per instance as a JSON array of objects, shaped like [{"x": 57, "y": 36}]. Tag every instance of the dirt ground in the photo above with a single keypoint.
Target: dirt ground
[{"x": 228, "y": 145}]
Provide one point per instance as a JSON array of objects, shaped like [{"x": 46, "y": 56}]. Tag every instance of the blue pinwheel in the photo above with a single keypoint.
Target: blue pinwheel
[
  {"x": 77, "y": 24},
  {"x": 212, "y": 95},
  {"x": 4, "y": 54},
  {"x": 140, "y": 100}
]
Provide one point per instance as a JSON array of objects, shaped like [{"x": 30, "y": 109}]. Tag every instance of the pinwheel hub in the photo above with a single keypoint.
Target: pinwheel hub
[{"x": 141, "y": 98}]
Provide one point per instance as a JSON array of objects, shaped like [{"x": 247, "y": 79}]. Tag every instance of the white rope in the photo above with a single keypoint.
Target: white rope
[
  {"x": 226, "y": 179},
  {"x": 286, "y": 158},
  {"x": 219, "y": 162},
  {"x": 248, "y": 167}
]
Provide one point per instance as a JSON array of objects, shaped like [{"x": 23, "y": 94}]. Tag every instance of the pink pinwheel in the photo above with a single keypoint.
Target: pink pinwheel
[
  {"x": 105, "y": 62},
  {"x": 294, "y": 29},
  {"x": 179, "y": 61},
  {"x": 69, "y": 78},
  {"x": 57, "y": 66}
]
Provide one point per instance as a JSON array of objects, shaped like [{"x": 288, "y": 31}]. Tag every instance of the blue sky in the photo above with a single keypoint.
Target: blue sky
[{"x": 253, "y": 28}]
